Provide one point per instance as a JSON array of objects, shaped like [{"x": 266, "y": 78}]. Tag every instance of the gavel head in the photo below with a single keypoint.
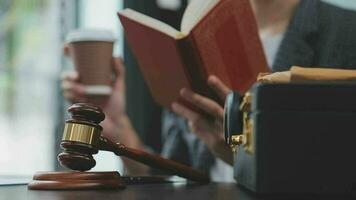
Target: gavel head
[{"x": 81, "y": 137}]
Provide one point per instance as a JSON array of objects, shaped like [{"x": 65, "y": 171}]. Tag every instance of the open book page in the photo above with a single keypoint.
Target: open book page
[
  {"x": 151, "y": 22},
  {"x": 196, "y": 11},
  {"x": 228, "y": 47}
]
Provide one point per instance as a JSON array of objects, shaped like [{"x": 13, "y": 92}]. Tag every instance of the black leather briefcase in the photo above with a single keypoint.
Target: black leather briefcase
[{"x": 294, "y": 138}]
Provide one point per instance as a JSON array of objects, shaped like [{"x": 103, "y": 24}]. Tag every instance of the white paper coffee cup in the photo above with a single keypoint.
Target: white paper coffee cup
[{"x": 91, "y": 51}]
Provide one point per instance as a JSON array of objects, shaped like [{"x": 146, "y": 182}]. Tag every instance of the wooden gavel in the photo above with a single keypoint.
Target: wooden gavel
[{"x": 82, "y": 138}]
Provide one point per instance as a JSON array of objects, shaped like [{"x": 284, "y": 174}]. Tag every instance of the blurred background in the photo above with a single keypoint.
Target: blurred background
[
  {"x": 32, "y": 110},
  {"x": 31, "y": 37}
]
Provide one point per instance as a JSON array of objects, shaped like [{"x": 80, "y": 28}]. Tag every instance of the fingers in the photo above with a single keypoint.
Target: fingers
[
  {"x": 194, "y": 119},
  {"x": 219, "y": 87},
  {"x": 70, "y": 76},
  {"x": 185, "y": 112},
  {"x": 209, "y": 106},
  {"x": 118, "y": 66},
  {"x": 72, "y": 90},
  {"x": 119, "y": 71}
]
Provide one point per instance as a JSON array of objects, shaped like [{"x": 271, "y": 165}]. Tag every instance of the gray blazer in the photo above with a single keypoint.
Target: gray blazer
[{"x": 319, "y": 34}]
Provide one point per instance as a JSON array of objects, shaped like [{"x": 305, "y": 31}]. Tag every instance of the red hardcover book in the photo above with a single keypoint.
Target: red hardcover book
[{"x": 217, "y": 37}]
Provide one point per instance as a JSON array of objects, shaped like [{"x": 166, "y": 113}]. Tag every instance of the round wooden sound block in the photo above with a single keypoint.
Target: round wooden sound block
[{"x": 76, "y": 181}]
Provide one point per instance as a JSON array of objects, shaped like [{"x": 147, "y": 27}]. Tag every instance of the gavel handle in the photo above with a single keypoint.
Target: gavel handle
[
  {"x": 156, "y": 161},
  {"x": 162, "y": 163}
]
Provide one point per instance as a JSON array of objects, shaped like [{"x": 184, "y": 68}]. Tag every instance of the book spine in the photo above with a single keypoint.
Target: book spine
[{"x": 194, "y": 68}]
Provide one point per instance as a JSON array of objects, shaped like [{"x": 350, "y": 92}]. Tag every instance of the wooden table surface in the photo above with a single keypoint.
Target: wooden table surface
[{"x": 178, "y": 191}]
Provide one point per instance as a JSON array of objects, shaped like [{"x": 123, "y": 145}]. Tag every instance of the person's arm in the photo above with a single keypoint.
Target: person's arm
[{"x": 209, "y": 130}]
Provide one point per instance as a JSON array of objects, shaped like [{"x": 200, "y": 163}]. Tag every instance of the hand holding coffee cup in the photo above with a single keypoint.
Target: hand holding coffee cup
[
  {"x": 76, "y": 88},
  {"x": 91, "y": 52}
]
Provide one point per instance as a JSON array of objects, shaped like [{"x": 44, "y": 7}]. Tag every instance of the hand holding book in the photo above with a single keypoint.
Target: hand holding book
[
  {"x": 217, "y": 37},
  {"x": 207, "y": 128}
]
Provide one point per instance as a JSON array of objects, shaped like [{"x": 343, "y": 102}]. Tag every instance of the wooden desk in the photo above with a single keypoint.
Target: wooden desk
[
  {"x": 223, "y": 191},
  {"x": 134, "y": 192}
]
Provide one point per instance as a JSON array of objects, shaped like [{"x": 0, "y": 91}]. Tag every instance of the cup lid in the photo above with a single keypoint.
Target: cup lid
[{"x": 80, "y": 35}]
